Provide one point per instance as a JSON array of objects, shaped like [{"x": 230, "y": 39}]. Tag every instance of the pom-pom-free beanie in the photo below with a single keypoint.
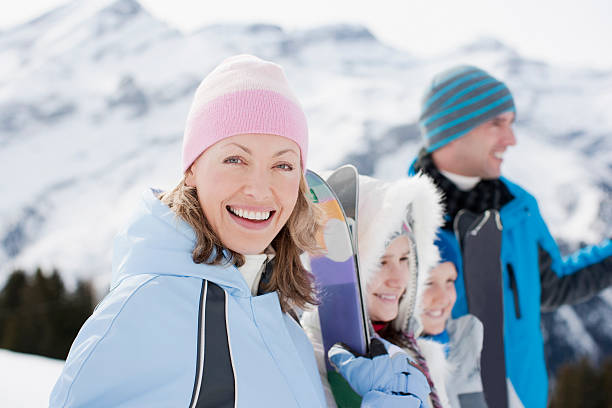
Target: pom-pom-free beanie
[
  {"x": 458, "y": 100},
  {"x": 244, "y": 94}
]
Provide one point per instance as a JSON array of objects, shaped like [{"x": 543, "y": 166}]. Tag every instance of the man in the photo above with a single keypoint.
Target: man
[{"x": 511, "y": 268}]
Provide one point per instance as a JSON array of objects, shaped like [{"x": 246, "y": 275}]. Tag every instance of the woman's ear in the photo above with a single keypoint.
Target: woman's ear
[{"x": 189, "y": 177}]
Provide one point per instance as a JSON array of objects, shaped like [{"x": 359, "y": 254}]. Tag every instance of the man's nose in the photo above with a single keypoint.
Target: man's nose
[{"x": 509, "y": 137}]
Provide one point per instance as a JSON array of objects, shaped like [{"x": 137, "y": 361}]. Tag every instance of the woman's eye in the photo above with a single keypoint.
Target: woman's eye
[
  {"x": 284, "y": 166},
  {"x": 233, "y": 160},
  {"x": 403, "y": 259}
]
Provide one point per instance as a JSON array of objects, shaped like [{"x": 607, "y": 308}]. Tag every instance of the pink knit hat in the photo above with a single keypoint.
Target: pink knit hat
[{"x": 244, "y": 94}]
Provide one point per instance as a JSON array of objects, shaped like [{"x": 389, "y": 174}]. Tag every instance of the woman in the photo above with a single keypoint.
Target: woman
[
  {"x": 206, "y": 276},
  {"x": 462, "y": 337},
  {"x": 396, "y": 230}
]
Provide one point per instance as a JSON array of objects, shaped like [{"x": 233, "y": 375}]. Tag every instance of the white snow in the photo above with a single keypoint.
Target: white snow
[{"x": 27, "y": 380}]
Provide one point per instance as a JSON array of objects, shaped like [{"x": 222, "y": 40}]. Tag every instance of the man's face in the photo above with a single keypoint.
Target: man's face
[{"x": 479, "y": 153}]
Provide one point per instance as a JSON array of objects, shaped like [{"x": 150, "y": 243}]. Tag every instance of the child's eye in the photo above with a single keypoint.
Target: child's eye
[
  {"x": 284, "y": 166},
  {"x": 403, "y": 259},
  {"x": 233, "y": 160}
]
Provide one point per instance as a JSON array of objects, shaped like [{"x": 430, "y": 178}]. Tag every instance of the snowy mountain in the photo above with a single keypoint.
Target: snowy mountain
[{"x": 94, "y": 94}]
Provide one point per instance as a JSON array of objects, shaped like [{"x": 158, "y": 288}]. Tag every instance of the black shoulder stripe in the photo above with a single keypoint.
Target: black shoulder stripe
[{"x": 215, "y": 387}]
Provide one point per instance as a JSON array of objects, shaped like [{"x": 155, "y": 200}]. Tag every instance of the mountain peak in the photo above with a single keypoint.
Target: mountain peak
[
  {"x": 123, "y": 7},
  {"x": 485, "y": 43},
  {"x": 340, "y": 33}
]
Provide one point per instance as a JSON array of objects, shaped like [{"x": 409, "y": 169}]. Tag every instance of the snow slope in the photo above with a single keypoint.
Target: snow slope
[{"x": 27, "y": 380}]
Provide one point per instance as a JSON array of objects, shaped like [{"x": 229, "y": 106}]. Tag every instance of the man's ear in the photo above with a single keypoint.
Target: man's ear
[{"x": 189, "y": 177}]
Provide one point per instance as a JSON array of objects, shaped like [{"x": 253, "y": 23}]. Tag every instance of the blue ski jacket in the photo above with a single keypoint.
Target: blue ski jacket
[
  {"x": 172, "y": 333},
  {"x": 535, "y": 278}
]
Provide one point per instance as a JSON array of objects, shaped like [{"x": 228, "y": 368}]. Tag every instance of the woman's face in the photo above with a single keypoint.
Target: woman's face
[
  {"x": 439, "y": 298},
  {"x": 247, "y": 186},
  {"x": 389, "y": 283}
]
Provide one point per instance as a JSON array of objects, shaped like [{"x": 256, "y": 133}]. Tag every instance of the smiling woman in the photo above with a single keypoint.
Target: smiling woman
[{"x": 206, "y": 276}]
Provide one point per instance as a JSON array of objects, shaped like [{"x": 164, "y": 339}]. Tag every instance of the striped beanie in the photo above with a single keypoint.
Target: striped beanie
[
  {"x": 457, "y": 101},
  {"x": 244, "y": 94}
]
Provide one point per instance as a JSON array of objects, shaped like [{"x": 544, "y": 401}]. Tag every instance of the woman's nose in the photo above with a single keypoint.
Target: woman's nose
[{"x": 257, "y": 183}]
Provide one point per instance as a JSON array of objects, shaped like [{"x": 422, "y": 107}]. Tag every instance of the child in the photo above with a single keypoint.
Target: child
[{"x": 461, "y": 337}]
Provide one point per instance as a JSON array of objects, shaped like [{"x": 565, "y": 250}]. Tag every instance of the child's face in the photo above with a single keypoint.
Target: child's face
[
  {"x": 389, "y": 284},
  {"x": 439, "y": 298}
]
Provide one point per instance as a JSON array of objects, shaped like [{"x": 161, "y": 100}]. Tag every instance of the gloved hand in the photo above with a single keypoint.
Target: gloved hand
[{"x": 381, "y": 379}]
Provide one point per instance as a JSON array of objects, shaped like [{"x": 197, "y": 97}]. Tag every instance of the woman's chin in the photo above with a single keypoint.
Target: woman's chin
[{"x": 249, "y": 248}]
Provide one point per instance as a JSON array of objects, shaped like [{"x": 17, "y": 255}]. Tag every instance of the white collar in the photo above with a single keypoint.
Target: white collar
[
  {"x": 464, "y": 183},
  {"x": 253, "y": 268}
]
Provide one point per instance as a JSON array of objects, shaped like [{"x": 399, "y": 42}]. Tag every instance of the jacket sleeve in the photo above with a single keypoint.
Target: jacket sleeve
[
  {"x": 116, "y": 360},
  {"x": 574, "y": 278}
]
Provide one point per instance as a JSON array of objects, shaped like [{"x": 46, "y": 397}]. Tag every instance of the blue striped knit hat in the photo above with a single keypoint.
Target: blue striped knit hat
[{"x": 457, "y": 101}]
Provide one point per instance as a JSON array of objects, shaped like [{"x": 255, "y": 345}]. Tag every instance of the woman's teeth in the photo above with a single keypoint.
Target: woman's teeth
[
  {"x": 499, "y": 155},
  {"x": 250, "y": 215}
]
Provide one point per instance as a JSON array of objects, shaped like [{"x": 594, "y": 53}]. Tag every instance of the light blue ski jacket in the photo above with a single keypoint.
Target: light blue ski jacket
[{"x": 172, "y": 333}]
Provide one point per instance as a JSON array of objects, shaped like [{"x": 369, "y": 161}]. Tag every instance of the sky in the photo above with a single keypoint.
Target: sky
[{"x": 570, "y": 33}]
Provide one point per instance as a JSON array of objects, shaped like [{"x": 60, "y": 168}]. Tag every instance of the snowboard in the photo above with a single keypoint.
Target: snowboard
[{"x": 336, "y": 270}]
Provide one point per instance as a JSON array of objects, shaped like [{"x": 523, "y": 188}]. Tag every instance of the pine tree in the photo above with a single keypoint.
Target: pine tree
[
  {"x": 11, "y": 298},
  {"x": 38, "y": 315}
]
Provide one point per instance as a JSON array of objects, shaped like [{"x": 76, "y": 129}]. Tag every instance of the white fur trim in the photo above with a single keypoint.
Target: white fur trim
[{"x": 439, "y": 369}]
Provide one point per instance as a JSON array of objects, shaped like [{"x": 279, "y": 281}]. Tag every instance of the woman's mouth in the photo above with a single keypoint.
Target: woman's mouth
[{"x": 249, "y": 218}]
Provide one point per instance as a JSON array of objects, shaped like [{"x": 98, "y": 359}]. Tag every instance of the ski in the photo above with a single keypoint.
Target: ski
[{"x": 342, "y": 311}]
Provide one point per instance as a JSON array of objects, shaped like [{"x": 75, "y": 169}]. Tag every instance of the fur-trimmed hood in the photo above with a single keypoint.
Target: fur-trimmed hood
[{"x": 383, "y": 206}]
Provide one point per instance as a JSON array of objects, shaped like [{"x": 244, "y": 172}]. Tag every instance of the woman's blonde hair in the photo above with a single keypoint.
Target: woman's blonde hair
[{"x": 293, "y": 283}]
